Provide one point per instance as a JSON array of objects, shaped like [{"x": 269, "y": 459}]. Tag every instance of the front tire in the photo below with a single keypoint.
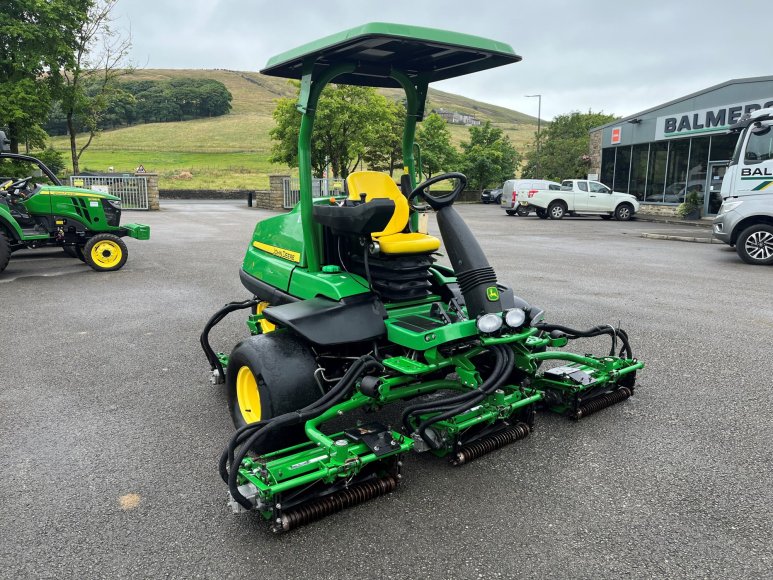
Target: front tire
[
  {"x": 5, "y": 250},
  {"x": 624, "y": 212},
  {"x": 105, "y": 253},
  {"x": 269, "y": 375},
  {"x": 755, "y": 245},
  {"x": 556, "y": 210}
]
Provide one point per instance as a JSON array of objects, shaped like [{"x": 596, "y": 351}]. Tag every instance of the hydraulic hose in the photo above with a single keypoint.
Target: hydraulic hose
[
  {"x": 214, "y": 362},
  {"x": 444, "y": 404},
  {"x": 614, "y": 333},
  {"x": 489, "y": 386},
  {"x": 250, "y": 435}
]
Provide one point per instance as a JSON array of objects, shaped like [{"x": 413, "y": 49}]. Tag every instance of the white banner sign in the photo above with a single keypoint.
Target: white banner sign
[{"x": 705, "y": 120}]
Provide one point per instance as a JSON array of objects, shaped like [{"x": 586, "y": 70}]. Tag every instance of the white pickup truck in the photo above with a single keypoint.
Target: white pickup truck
[{"x": 580, "y": 197}]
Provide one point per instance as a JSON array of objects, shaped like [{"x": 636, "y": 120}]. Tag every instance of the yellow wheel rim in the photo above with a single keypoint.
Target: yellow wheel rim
[
  {"x": 247, "y": 395},
  {"x": 106, "y": 254},
  {"x": 265, "y": 325}
]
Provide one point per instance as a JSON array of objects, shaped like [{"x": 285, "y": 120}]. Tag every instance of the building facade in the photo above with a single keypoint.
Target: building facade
[{"x": 661, "y": 154}]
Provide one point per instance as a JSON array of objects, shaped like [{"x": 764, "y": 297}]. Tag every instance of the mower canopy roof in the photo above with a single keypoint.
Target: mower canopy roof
[{"x": 377, "y": 48}]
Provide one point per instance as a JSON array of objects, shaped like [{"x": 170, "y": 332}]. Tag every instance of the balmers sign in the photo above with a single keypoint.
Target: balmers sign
[{"x": 705, "y": 120}]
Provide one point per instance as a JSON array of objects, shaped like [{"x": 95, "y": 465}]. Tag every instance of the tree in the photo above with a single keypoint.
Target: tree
[
  {"x": 489, "y": 157},
  {"x": 98, "y": 59},
  {"x": 385, "y": 151},
  {"x": 37, "y": 41},
  {"x": 347, "y": 121},
  {"x": 564, "y": 146},
  {"x": 434, "y": 139}
]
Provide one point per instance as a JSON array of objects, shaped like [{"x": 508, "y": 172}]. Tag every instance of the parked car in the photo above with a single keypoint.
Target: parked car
[
  {"x": 491, "y": 195},
  {"x": 580, "y": 197},
  {"x": 512, "y": 187}
]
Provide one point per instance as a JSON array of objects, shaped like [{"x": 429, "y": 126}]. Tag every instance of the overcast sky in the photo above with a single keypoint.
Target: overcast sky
[{"x": 618, "y": 57}]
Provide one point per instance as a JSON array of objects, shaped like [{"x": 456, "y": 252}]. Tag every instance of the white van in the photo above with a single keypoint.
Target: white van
[{"x": 511, "y": 188}]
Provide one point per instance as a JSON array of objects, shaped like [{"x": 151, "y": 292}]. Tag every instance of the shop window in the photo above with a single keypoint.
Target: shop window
[
  {"x": 622, "y": 169},
  {"x": 696, "y": 168},
  {"x": 676, "y": 176},
  {"x": 656, "y": 174},
  {"x": 722, "y": 146},
  {"x": 638, "y": 181},
  {"x": 608, "y": 164}
]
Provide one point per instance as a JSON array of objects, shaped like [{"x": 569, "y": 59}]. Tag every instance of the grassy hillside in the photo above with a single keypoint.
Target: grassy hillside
[{"x": 231, "y": 152}]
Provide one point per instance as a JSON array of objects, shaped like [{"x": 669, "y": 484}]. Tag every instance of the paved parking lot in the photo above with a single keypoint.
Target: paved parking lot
[{"x": 110, "y": 431}]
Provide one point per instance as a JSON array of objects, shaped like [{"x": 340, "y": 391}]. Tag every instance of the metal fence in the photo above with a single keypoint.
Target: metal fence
[
  {"x": 319, "y": 188},
  {"x": 132, "y": 190}
]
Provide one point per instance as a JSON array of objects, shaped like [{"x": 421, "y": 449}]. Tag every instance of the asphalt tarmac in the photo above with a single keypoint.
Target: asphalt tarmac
[{"x": 110, "y": 431}]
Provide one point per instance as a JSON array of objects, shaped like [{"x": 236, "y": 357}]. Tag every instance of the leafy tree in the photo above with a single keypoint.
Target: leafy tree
[
  {"x": 347, "y": 121},
  {"x": 564, "y": 147},
  {"x": 385, "y": 151},
  {"x": 99, "y": 58},
  {"x": 434, "y": 138},
  {"x": 489, "y": 157},
  {"x": 37, "y": 41}
]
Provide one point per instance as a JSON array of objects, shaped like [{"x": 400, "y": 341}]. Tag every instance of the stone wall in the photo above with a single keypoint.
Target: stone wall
[
  {"x": 658, "y": 209},
  {"x": 594, "y": 151}
]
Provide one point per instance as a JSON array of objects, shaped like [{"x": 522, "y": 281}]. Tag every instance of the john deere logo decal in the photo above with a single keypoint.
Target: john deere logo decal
[{"x": 492, "y": 293}]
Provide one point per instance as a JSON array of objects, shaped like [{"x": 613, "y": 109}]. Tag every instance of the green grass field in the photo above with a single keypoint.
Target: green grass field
[{"x": 231, "y": 151}]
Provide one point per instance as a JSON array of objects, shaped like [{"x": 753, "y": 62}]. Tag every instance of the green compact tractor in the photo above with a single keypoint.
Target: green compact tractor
[
  {"x": 85, "y": 223},
  {"x": 350, "y": 312}
]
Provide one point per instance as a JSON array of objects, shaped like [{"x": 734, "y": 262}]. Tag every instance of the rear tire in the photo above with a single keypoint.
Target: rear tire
[
  {"x": 542, "y": 213},
  {"x": 5, "y": 250},
  {"x": 269, "y": 375},
  {"x": 522, "y": 211},
  {"x": 556, "y": 210},
  {"x": 755, "y": 245},
  {"x": 105, "y": 253},
  {"x": 624, "y": 212}
]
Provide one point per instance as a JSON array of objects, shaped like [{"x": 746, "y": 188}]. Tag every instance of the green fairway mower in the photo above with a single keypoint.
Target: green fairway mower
[
  {"x": 350, "y": 312},
  {"x": 84, "y": 223}
]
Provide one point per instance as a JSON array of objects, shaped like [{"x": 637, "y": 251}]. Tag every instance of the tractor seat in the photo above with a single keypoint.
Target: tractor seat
[{"x": 392, "y": 239}]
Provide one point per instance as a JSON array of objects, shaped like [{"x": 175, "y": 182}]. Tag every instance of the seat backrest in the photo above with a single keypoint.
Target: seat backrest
[{"x": 376, "y": 185}]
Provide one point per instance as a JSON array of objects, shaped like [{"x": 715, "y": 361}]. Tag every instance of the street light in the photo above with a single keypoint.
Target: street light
[{"x": 539, "y": 121}]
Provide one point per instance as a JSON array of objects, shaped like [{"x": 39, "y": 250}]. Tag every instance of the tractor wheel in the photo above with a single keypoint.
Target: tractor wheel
[
  {"x": 754, "y": 245},
  {"x": 556, "y": 210},
  {"x": 105, "y": 253},
  {"x": 269, "y": 375},
  {"x": 71, "y": 251},
  {"x": 5, "y": 250},
  {"x": 623, "y": 212},
  {"x": 510, "y": 212},
  {"x": 522, "y": 211},
  {"x": 542, "y": 213},
  {"x": 606, "y": 216}
]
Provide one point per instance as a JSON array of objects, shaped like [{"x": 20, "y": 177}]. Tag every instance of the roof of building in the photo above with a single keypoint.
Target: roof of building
[{"x": 684, "y": 98}]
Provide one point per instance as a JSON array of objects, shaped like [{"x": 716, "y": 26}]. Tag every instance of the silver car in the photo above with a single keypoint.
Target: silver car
[{"x": 747, "y": 223}]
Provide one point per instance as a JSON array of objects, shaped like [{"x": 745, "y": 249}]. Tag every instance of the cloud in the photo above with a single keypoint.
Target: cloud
[{"x": 619, "y": 57}]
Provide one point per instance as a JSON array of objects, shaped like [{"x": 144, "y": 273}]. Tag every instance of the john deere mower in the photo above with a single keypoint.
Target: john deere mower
[
  {"x": 85, "y": 223},
  {"x": 351, "y": 312}
]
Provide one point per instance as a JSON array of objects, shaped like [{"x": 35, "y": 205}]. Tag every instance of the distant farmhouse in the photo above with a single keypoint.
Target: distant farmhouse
[{"x": 456, "y": 118}]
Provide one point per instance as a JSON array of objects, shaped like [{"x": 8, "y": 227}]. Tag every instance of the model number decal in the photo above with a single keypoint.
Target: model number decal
[{"x": 278, "y": 252}]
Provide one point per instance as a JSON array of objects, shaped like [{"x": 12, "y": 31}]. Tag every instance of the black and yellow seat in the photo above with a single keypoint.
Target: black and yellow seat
[{"x": 392, "y": 240}]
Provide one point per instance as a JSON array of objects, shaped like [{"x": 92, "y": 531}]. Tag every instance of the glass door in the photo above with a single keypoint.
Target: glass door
[{"x": 716, "y": 174}]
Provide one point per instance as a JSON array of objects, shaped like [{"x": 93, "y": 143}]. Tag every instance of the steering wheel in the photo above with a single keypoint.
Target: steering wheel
[
  {"x": 17, "y": 186},
  {"x": 440, "y": 201}
]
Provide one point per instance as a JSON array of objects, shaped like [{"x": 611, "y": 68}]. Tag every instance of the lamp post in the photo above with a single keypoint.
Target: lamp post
[{"x": 539, "y": 122}]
